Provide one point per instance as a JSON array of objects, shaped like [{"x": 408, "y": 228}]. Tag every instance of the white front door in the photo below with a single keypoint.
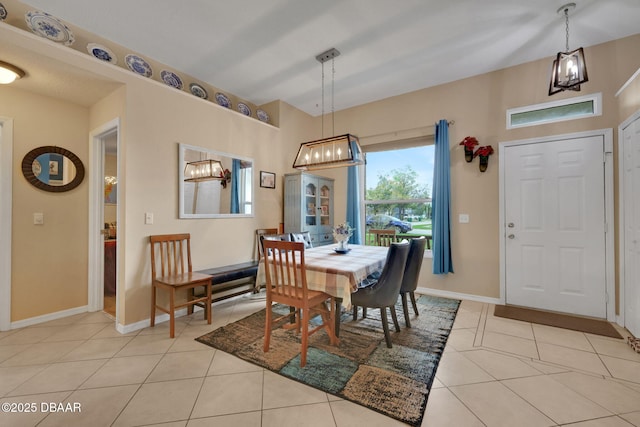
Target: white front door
[
  {"x": 554, "y": 224},
  {"x": 631, "y": 210}
]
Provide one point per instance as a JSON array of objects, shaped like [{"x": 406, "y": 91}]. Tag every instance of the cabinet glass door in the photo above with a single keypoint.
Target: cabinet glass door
[
  {"x": 310, "y": 205},
  {"x": 325, "y": 206}
]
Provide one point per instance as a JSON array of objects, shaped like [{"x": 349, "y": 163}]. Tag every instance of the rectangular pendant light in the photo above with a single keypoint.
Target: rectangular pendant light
[{"x": 336, "y": 151}]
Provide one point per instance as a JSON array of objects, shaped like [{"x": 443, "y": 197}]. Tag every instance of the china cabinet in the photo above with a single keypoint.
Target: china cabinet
[{"x": 308, "y": 206}]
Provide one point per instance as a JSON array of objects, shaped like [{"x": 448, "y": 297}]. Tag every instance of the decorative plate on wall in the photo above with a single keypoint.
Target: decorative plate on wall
[
  {"x": 103, "y": 53},
  {"x": 244, "y": 109},
  {"x": 262, "y": 116},
  {"x": 198, "y": 91},
  {"x": 171, "y": 79},
  {"x": 3, "y": 12},
  {"x": 50, "y": 27},
  {"x": 138, "y": 65},
  {"x": 222, "y": 99}
]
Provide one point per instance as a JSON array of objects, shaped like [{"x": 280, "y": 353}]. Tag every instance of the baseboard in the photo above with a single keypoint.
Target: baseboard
[
  {"x": 458, "y": 295},
  {"x": 164, "y": 317},
  {"x": 48, "y": 317}
]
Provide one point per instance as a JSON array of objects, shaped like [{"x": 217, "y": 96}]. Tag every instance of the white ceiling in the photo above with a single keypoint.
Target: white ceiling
[{"x": 263, "y": 50}]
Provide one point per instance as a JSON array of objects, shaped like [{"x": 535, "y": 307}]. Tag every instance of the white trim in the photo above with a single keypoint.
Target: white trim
[
  {"x": 607, "y": 135},
  {"x": 96, "y": 214},
  {"x": 6, "y": 177},
  {"x": 457, "y": 295},
  {"x": 628, "y": 82},
  {"x": 597, "y": 110},
  {"x": 621, "y": 223},
  {"x": 164, "y": 317},
  {"x": 48, "y": 317}
]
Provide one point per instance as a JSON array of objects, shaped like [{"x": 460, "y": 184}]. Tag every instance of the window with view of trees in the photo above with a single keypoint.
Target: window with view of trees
[{"x": 398, "y": 191}]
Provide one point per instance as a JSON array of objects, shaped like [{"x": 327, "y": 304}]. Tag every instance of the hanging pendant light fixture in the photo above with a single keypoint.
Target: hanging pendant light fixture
[
  {"x": 203, "y": 170},
  {"x": 335, "y": 151},
  {"x": 569, "y": 69}
]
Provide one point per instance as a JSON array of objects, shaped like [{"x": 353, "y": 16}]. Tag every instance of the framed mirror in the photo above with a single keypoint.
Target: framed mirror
[
  {"x": 214, "y": 184},
  {"x": 53, "y": 169}
]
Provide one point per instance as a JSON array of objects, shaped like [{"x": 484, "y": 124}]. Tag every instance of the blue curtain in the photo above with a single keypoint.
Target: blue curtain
[
  {"x": 353, "y": 200},
  {"x": 235, "y": 186},
  {"x": 441, "y": 203}
]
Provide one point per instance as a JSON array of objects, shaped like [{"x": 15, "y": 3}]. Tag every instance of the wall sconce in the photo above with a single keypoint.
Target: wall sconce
[
  {"x": 484, "y": 153},
  {"x": 9, "y": 73},
  {"x": 569, "y": 69},
  {"x": 469, "y": 142},
  {"x": 203, "y": 170}
]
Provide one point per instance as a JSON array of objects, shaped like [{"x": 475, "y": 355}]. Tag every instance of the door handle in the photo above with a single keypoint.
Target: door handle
[
  {"x": 511, "y": 236},
  {"x": 510, "y": 225}
]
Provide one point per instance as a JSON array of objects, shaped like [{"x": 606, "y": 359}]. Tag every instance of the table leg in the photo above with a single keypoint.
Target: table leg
[{"x": 337, "y": 312}]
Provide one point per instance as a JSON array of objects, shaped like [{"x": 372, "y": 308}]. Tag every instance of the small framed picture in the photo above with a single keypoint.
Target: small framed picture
[{"x": 267, "y": 179}]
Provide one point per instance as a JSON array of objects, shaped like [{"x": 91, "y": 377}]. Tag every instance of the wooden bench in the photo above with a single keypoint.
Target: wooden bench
[{"x": 230, "y": 280}]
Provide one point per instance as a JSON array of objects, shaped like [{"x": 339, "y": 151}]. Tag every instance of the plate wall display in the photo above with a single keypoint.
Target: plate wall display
[
  {"x": 262, "y": 116},
  {"x": 171, "y": 79},
  {"x": 244, "y": 109},
  {"x": 198, "y": 91},
  {"x": 103, "y": 53},
  {"x": 138, "y": 65},
  {"x": 3, "y": 12},
  {"x": 222, "y": 99},
  {"x": 50, "y": 27}
]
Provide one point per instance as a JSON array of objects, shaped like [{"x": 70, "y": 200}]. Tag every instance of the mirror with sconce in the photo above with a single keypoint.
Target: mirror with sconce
[
  {"x": 214, "y": 184},
  {"x": 53, "y": 169}
]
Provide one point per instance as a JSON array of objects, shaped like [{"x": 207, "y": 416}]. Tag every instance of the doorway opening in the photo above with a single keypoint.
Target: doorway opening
[{"x": 103, "y": 219}]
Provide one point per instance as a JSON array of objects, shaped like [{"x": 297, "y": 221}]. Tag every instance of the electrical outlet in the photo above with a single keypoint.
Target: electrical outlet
[{"x": 463, "y": 218}]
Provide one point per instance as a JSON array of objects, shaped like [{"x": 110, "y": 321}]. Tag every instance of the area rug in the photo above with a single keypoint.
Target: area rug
[
  {"x": 559, "y": 320},
  {"x": 393, "y": 381}
]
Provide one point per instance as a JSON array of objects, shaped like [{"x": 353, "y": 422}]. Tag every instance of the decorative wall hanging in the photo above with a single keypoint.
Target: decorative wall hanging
[
  {"x": 484, "y": 153},
  {"x": 267, "y": 179},
  {"x": 469, "y": 142}
]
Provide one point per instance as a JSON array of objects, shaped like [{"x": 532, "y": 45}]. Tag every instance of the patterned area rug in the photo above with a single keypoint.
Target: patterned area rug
[{"x": 393, "y": 381}]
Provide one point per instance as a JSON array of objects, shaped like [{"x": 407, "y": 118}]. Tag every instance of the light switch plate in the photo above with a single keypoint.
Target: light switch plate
[
  {"x": 463, "y": 218},
  {"x": 148, "y": 218},
  {"x": 38, "y": 218}
]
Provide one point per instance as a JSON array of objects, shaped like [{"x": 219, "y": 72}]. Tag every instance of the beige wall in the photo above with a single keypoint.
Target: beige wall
[
  {"x": 155, "y": 118},
  {"x": 49, "y": 262},
  {"x": 478, "y": 105}
]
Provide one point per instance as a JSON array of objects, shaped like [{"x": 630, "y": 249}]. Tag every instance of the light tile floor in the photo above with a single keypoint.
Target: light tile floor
[{"x": 494, "y": 372}]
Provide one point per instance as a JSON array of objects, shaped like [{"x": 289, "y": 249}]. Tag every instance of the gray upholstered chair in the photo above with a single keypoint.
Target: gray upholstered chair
[
  {"x": 384, "y": 293},
  {"x": 304, "y": 237},
  {"x": 285, "y": 237},
  {"x": 410, "y": 276},
  {"x": 259, "y": 233}
]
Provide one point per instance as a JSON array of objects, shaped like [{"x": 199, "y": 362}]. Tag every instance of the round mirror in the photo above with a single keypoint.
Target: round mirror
[{"x": 52, "y": 169}]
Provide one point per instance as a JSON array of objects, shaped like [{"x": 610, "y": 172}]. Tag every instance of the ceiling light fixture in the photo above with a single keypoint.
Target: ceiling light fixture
[
  {"x": 335, "y": 151},
  {"x": 203, "y": 170},
  {"x": 569, "y": 69},
  {"x": 9, "y": 73}
]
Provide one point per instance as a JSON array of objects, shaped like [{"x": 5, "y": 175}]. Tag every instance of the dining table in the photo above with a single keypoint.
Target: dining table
[{"x": 337, "y": 274}]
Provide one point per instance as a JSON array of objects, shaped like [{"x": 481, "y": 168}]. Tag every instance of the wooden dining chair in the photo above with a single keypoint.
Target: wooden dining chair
[
  {"x": 411, "y": 275},
  {"x": 384, "y": 237},
  {"x": 171, "y": 271},
  {"x": 287, "y": 284},
  {"x": 384, "y": 292},
  {"x": 259, "y": 233}
]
